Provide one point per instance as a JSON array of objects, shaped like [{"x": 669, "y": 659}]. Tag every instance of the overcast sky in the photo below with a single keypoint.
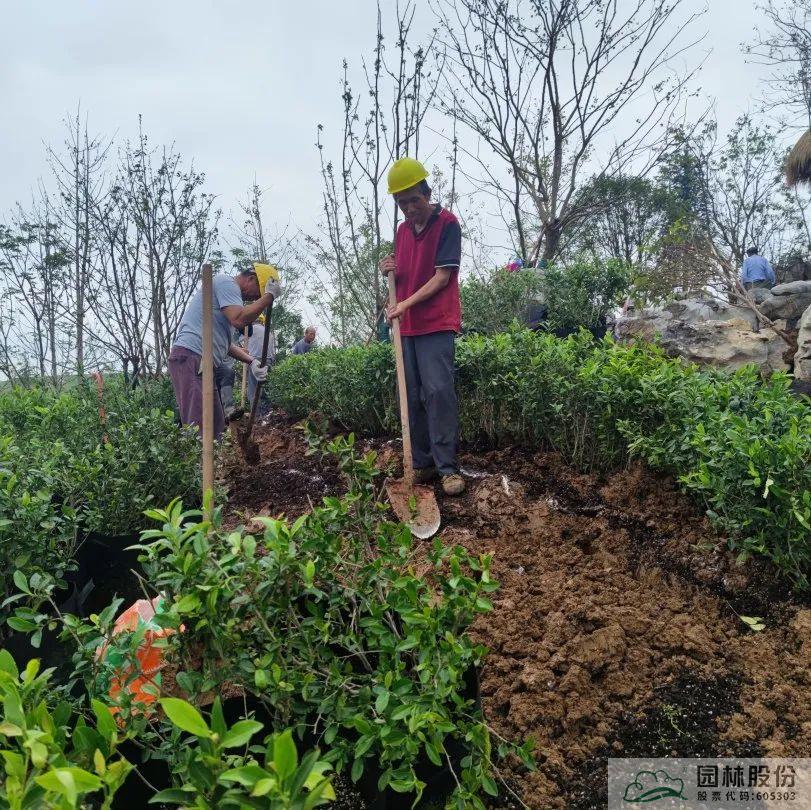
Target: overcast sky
[{"x": 238, "y": 86}]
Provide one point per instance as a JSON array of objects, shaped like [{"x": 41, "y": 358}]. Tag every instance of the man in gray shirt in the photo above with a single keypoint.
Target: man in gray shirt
[
  {"x": 237, "y": 302},
  {"x": 306, "y": 343}
]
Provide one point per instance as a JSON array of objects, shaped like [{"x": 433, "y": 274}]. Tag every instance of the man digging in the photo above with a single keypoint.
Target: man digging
[
  {"x": 427, "y": 254},
  {"x": 237, "y": 302}
]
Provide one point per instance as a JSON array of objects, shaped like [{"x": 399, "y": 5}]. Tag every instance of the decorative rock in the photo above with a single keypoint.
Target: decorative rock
[
  {"x": 799, "y": 271},
  {"x": 708, "y": 332},
  {"x": 787, "y": 305},
  {"x": 792, "y": 288},
  {"x": 703, "y": 309},
  {"x": 759, "y": 294},
  {"x": 802, "y": 360}
]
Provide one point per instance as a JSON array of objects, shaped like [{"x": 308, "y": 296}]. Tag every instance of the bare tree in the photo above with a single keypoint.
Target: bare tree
[
  {"x": 32, "y": 261},
  {"x": 786, "y": 47},
  {"x": 252, "y": 239},
  {"x": 121, "y": 299},
  {"x": 79, "y": 176},
  {"x": 549, "y": 87},
  {"x": 177, "y": 222},
  {"x": 150, "y": 233}
]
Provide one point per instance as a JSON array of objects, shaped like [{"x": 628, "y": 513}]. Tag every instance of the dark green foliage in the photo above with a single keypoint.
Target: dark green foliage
[
  {"x": 354, "y": 387},
  {"x": 326, "y": 622},
  {"x": 491, "y": 304},
  {"x": 743, "y": 447},
  {"x": 65, "y": 472},
  {"x": 582, "y": 293},
  {"x": 50, "y": 757},
  {"x": 107, "y": 470}
]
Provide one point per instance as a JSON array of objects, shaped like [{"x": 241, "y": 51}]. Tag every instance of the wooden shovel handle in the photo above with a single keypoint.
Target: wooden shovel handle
[
  {"x": 402, "y": 391},
  {"x": 258, "y": 390}
]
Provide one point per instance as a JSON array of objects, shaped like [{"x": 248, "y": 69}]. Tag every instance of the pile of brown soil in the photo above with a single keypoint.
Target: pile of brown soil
[{"x": 616, "y": 629}]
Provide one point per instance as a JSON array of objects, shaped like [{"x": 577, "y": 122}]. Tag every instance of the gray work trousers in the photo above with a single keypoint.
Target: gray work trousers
[
  {"x": 433, "y": 415},
  {"x": 224, "y": 376}
]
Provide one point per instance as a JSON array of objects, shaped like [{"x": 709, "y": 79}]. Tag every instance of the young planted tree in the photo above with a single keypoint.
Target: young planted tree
[
  {"x": 557, "y": 92},
  {"x": 630, "y": 216},
  {"x": 173, "y": 222},
  {"x": 33, "y": 264},
  {"x": 743, "y": 199},
  {"x": 121, "y": 298},
  {"x": 78, "y": 172},
  {"x": 348, "y": 290},
  {"x": 253, "y": 240}
]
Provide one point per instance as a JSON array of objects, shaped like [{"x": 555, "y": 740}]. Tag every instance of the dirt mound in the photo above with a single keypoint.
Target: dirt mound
[
  {"x": 615, "y": 628},
  {"x": 285, "y": 481}
]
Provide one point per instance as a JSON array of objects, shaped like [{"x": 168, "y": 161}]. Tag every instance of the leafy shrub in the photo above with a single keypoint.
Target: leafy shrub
[
  {"x": 744, "y": 449},
  {"x": 741, "y": 446},
  {"x": 108, "y": 470},
  {"x": 327, "y": 624},
  {"x": 582, "y": 293},
  {"x": 65, "y": 472},
  {"x": 36, "y": 533},
  {"x": 212, "y": 777},
  {"x": 492, "y": 304},
  {"x": 49, "y": 756},
  {"x": 352, "y": 386}
]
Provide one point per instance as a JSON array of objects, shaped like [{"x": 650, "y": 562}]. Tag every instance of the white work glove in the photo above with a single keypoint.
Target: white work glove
[
  {"x": 274, "y": 288},
  {"x": 259, "y": 371}
]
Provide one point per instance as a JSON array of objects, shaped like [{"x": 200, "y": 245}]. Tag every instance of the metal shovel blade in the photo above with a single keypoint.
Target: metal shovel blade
[
  {"x": 248, "y": 447},
  {"x": 415, "y": 506}
]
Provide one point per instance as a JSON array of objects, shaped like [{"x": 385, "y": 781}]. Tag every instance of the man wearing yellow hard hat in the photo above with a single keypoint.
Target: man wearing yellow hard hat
[
  {"x": 427, "y": 254},
  {"x": 237, "y": 302}
]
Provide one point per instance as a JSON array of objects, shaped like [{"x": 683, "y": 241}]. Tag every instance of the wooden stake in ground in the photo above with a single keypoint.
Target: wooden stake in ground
[
  {"x": 413, "y": 504},
  {"x": 208, "y": 389}
]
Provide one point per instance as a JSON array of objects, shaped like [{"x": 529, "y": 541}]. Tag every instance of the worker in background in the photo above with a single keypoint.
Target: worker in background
[
  {"x": 256, "y": 339},
  {"x": 237, "y": 302},
  {"x": 224, "y": 377},
  {"x": 427, "y": 254},
  {"x": 306, "y": 343},
  {"x": 756, "y": 271}
]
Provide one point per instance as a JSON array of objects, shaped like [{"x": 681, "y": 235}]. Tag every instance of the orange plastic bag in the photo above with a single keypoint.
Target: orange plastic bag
[{"x": 145, "y": 686}]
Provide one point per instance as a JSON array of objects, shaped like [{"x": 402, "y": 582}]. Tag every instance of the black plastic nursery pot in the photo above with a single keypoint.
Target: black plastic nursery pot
[
  {"x": 439, "y": 781},
  {"x": 106, "y": 566},
  {"x": 137, "y": 791},
  {"x": 51, "y": 651}
]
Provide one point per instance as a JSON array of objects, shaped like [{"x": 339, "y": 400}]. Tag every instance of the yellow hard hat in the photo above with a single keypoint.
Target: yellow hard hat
[
  {"x": 265, "y": 272},
  {"x": 405, "y": 173},
  {"x": 261, "y": 319}
]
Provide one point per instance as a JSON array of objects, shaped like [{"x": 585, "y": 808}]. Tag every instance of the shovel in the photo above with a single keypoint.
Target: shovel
[
  {"x": 414, "y": 504},
  {"x": 250, "y": 449}
]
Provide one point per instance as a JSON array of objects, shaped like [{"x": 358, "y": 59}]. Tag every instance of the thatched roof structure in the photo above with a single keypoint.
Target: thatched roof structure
[{"x": 798, "y": 162}]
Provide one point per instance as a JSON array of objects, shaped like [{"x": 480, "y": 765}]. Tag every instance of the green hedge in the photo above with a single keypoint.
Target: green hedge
[
  {"x": 743, "y": 447},
  {"x": 108, "y": 471},
  {"x": 64, "y": 472}
]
